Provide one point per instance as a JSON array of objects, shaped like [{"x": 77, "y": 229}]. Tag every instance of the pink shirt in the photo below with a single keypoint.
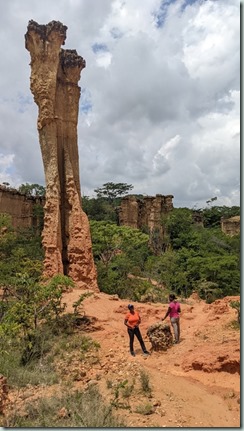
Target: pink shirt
[{"x": 175, "y": 307}]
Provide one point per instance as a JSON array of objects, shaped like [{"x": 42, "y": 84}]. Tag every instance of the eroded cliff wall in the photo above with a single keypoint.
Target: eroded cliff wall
[
  {"x": 55, "y": 73},
  {"x": 20, "y": 208},
  {"x": 145, "y": 212},
  {"x": 231, "y": 226}
]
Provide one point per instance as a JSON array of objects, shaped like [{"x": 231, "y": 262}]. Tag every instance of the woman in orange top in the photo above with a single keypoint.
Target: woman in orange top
[{"x": 132, "y": 321}]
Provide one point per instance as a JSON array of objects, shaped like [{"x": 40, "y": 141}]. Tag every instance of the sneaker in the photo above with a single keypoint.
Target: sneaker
[
  {"x": 146, "y": 352},
  {"x": 132, "y": 353}
]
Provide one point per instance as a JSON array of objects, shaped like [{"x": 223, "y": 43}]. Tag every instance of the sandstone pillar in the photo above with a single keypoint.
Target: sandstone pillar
[{"x": 54, "y": 83}]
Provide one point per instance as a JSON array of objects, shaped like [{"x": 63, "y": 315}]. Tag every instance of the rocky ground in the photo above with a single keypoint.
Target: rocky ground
[{"x": 195, "y": 383}]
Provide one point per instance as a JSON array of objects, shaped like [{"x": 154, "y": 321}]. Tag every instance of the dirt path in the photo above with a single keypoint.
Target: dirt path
[{"x": 194, "y": 384}]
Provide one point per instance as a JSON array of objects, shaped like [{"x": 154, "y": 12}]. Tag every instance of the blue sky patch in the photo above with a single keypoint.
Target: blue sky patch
[
  {"x": 85, "y": 105},
  {"x": 161, "y": 13},
  {"x": 23, "y": 102},
  {"x": 188, "y": 3},
  {"x": 99, "y": 47},
  {"x": 116, "y": 33}
]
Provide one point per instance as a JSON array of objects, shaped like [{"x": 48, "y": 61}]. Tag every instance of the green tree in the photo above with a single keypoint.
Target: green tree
[
  {"x": 32, "y": 190},
  {"x": 179, "y": 225},
  {"x": 118, "y": 251},
  {"x": 112, "y": 191},
  {"x": 26, "y": 305},
  {"x": 99, "y": 209},
  {"x": 108, "y": 239},
  {"x": 212, "y": 215},
  {"x": 20, "y": 252}
]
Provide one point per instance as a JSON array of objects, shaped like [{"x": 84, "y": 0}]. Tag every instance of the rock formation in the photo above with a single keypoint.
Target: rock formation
[
  {"x": 55, "y": 73},
  {"x": 20, "y": 207},
  {"x": 146, "y": 213},
  {"x": 231, "y": 226}
]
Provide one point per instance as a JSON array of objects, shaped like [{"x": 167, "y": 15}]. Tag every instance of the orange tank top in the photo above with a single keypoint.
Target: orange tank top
[{"x": 132, "y": 319}]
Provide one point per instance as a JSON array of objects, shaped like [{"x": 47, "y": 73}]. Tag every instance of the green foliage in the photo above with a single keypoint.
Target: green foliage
[
  {"x": 78, "y": 304},
  {"x": 179, "y": 227},
  {"x": 38, "y": 216},
  {"x": 113, "y": 190},
  {"x": 5, "y": 222},
  {"x": 20, "y": 253},
  {"x": 32, "y": 190},
  {"x": 109, "y": 240},
  {"x": 190, "y": 258},
  {"x": 145, "y": 409},
  {"x": 85, "y": 409},
  {"x": 119, "y": 251},
  {"x": 35, "y": 373},
  {"x": 25, "y": 305},
  {"x": 145, "y": 383},
  {"x": 128, "y": 389},
  {"x": 213, "y": 215},
  {"x": 99, "y": 209}
]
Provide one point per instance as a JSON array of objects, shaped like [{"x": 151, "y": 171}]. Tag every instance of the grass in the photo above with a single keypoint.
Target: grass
[
  {"x": 127, "y": 391},
  {"x": 17, "y": 375},
  {"x": 78, "y": 409},
  {"x": 47, "y": 349},
  {"x": 145, "y": 409},
  {"x": 145, "y": 384},
  {"x": 234, "y": 324}
]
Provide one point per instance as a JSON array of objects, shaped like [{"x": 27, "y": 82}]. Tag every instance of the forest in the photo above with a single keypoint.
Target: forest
[{"x": 134, "y": 263}]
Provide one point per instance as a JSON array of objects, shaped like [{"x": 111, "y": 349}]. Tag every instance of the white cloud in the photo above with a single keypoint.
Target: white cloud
[{"x": 160, "y": 95}]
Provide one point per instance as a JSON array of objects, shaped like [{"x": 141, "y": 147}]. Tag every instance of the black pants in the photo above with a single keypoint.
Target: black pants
[{"x": 136, "y": 332}]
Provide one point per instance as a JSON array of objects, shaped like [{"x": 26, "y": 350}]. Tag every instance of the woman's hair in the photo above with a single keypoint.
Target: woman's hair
[{"x": 172, "y": 297}]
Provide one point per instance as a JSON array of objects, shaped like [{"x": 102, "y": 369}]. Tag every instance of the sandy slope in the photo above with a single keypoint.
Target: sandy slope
[{"x": 194, "y": 384}]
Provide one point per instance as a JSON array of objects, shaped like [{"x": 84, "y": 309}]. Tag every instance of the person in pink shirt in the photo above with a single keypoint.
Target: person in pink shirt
[{"x": 173, "y": 313}]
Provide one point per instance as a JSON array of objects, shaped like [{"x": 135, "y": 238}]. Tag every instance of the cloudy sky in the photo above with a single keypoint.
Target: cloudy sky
[{"x": 160, "y": 95}]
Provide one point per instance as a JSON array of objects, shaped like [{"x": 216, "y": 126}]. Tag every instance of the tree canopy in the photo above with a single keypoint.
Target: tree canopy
[
  {"x": 113, "y": 190},
  {"x": 32, "y": 189}
]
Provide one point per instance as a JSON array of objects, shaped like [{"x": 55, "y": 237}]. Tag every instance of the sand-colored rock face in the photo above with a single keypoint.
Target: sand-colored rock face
[
  {"x": 231, "y": 226},
  {"x": 54, "y": 83},
  {"x": 147, "y": 212},
  {"x": 136, "y": 213},
  {"x": 19, "y": 207}
]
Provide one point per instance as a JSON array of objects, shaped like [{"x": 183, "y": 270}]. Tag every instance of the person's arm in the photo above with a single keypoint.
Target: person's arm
[
  {"x": 139, "y": 321},
  {"x": 126, "y": 323},
  {"x": 166, "y": 315}
]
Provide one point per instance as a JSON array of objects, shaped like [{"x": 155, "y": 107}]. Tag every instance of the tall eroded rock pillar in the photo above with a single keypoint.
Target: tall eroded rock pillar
[{"x": 55, "y": 73}]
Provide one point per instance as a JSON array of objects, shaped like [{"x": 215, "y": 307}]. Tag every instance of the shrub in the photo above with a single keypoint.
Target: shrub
[
  {"x": 145, "y": 385},
  {"x": 85, "y": 409}
]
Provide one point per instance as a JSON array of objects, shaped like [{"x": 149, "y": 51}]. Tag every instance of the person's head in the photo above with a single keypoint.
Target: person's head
[
  {"x": 131, "y": 307},
  {"x": 172, "y": 297}
]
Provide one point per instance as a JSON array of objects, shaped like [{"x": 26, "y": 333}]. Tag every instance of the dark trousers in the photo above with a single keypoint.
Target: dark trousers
[{"x": 136, "y": 332}]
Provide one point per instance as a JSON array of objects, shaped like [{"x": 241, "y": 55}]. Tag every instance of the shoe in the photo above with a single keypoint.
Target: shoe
[
  {"x": 146, "y": 353},
  {"x": 132, "y": 353}
]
